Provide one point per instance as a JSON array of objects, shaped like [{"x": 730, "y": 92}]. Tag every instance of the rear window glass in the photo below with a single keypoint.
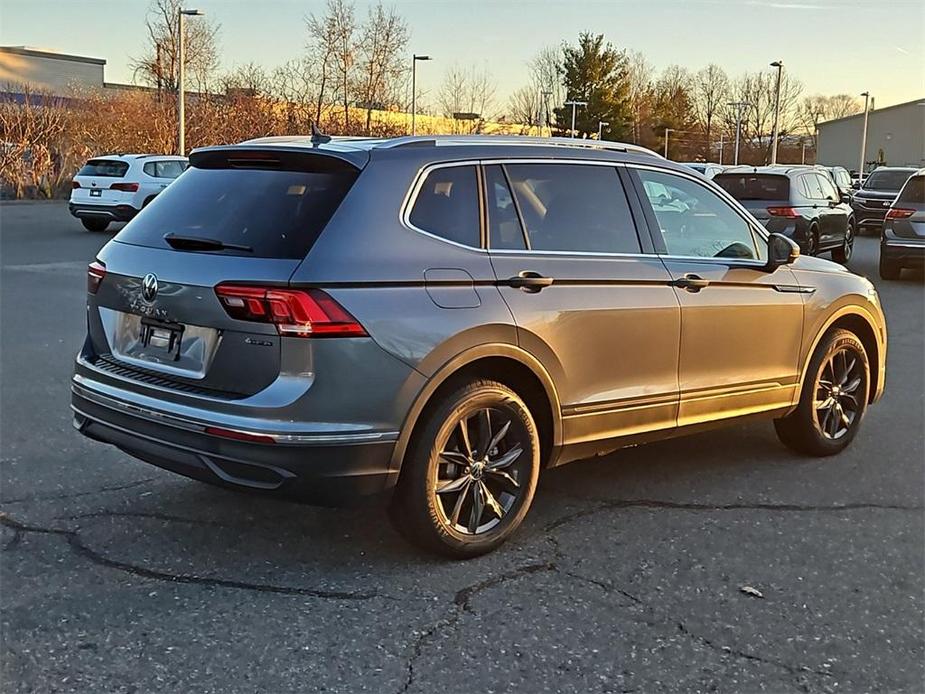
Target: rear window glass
[
  {"x": 914, "y": 191},
  {"x": 754, "y": 186},
  {"x": 886, "y": 180},
  {"x": 277, "y": 213},
  {"x": 109, "y": 168}
]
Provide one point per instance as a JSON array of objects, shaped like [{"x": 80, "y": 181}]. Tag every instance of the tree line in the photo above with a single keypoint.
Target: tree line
[{"x": 353, "y": 77}]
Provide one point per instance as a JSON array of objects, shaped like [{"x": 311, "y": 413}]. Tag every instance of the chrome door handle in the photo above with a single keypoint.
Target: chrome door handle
[
  {"x": 528, "y": 281},
  {"x": 690, "y": 282}
]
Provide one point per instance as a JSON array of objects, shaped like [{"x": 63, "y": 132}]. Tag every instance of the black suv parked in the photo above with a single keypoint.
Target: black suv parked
[
  {"x": 871, "y": 201},
  {"x": 799, "y": 202}
]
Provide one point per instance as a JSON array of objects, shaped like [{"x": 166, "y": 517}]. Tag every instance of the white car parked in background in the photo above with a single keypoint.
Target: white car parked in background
[
  {"x": 115, "y": 187},
  {"x": 706, "y": 168}
]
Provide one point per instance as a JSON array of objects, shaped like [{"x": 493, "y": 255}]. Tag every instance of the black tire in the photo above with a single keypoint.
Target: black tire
[
  {"x": 434, "y": 520},
  {"x": 843, "y": 253},
  {"x": 94, "y": 223},
  {"x": 889, "y": 270},
  {"x": 812, "y": 241},
  {"x": 814, "y": 428}
]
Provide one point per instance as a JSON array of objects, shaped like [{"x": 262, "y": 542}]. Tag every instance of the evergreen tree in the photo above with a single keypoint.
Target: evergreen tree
[{"x": 595, "y": 72}]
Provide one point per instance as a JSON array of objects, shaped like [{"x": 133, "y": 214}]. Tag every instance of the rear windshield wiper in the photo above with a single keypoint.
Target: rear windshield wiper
[{"x": 199, "y": 243}]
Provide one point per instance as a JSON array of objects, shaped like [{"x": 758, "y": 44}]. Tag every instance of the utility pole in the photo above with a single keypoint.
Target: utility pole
[
  {"x": 575, "y": 104},
  {"x": 721, "y": 142},
  {"x": 181, "y": 84},
  {"x": 546, "y": 96},
  {"x": 779, "y": 64},
  {"x": 600, "y": 129},
  {"x": 866, "y": 96},
  {"x": 414, "y": 92},
  {"x": 667, "y": 130},
  {"x": 739, "y": 105}
]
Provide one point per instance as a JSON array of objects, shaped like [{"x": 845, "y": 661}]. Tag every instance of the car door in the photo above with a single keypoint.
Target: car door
[
  {"x": 741, "y": 326},
  {"x": 834, "y": 211},
  {"x": 589, "y": 297}
]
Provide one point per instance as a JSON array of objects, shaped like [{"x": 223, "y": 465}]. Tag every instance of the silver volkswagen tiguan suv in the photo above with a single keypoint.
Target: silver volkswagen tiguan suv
[{"x": 435, "y": 320}]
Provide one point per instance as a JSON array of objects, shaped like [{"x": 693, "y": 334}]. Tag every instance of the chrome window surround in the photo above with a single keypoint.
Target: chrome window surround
[{"x": 411, "y": 198}]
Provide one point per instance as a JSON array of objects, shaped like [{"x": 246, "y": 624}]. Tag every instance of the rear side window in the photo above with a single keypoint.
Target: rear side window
[
  {"x": 447, "y": 205},
  {"x": 276, "y": 213},
  {"x": 573, "y": 207},
  {"x": 754, "y": 186},
  {"x": 107, "y": 168},
  {"x": 169, "y": 169},
  {"x": 914, "y": 191}
]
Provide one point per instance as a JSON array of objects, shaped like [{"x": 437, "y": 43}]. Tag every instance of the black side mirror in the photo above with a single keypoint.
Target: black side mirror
[{"x": 781, "y": 251}]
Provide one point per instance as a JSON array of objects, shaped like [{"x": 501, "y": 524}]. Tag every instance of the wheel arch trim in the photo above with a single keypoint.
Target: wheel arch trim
[
  {"x": 460, "y": 361},
  {"x": 856, "y": 311}
]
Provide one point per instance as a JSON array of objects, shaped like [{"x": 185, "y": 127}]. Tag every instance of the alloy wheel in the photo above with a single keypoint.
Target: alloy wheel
[
  {"x": 480, "y": 471},
  {"x": 849, "y": 241},
  {"x": 836, "y": 406}
]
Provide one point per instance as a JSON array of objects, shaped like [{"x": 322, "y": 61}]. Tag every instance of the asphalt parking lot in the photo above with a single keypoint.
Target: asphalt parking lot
[{"x": 626, "y": 577}]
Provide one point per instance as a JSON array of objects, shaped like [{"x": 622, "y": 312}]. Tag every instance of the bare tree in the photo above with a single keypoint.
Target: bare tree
[
  {"x": 640, "y": 93},
  {"x": 818, "y": 108},
  {"x": 383, "y": 40},
  {"x": 323, "y": 50},
  {"x": 757, "y": 89},
  {"x": 710, "y": 92},
  {"x": 159, "y": 65},
  {"x": 467, "y": 90},
  {"x": 546, "y": 76},
  {"x": 526, "y": 106}
]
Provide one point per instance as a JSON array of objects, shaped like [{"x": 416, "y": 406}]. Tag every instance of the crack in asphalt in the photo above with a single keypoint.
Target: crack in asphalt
[
  {"x": 461, "y": 605},
  {"x": 74, "y": 495},
  {"x": 151, "y": 515},
  {"x": 608, "y": 587},
  {"x": 610, "y": 504},
  {"x": 82, "y": 550}
]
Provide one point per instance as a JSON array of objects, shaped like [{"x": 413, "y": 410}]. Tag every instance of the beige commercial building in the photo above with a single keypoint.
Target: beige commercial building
[
  {"x": 895, "y": 137},
  {"x": 47, "y": 71}
]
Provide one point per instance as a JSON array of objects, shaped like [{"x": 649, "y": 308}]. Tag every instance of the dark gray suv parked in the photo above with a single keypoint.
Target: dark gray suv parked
[{"x": 437, "y": 319}]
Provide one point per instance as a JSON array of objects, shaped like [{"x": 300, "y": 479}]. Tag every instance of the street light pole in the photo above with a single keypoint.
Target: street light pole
[
  {"x": 181, "y": 82},
  {"x": 574, "y": 105},
  {"x": 721, "y": 142},
  {"x": 414, "y": 92},
  {"x": 866, "y": 96},
  {"x": 779, "y": 64},
  {"x": 546, "y": 96},
  {"x": 739, "y": 105},
  {"x": 667, "y": 130},
  {"x": 600, "y": 129}
]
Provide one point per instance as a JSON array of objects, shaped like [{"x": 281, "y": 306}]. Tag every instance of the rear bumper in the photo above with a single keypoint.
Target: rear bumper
[
  {"x": 117, "y": 213},
  {"x": 339, "y": 468},
  {"x": 904, "y": 252}
]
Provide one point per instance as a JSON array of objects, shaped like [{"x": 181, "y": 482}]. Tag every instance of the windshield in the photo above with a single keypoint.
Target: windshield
[
  {"x": 887, "y": 179},
  {"x": 754, "y": 186},
  {"x": 275, "y": 214}
]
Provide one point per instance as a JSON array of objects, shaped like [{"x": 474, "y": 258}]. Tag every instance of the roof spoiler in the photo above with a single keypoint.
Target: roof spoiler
[{"x": 260, "y": 154}]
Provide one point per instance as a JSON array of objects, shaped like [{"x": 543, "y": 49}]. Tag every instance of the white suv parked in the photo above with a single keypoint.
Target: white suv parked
[{"x": 114, "y": 188}]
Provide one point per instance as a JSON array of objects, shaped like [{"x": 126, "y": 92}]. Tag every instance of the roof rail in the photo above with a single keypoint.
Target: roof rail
[{"x": 444, "y": 140}]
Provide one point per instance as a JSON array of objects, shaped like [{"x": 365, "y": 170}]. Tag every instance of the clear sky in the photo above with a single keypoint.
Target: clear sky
[{"x": 832, "y": 46}]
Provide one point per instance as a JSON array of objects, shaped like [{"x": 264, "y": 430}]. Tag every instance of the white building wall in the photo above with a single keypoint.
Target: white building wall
[{"x": 47, "y": 71}]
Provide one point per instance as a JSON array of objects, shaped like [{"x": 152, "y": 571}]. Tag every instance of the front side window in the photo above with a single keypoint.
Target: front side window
[
  {"x": 447, "y": 205},
  {"x": 573, "y": 207},
  {"x": 828, "y": 190},
  {"x": 694, "y": 221},
  {"x": 812, "y": 185}
]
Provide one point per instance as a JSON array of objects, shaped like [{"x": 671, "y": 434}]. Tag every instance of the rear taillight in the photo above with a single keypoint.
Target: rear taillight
[
  {"x": 75, "y": 185},
  {"x": 294, "y": 312},
  {"x": 788, "y": 212},
  {"x": 239, "y": 435},
  {"x": 899, "y": 213},
  {"x": 96, "y": 271},
  {"x": 125, "y": 187}
]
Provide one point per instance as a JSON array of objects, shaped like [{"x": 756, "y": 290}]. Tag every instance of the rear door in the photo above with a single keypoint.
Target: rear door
[
  {"x": 741, "y": 326},
  {"x": 249, "y": 221},
  {"x": 588, "y": 295}
]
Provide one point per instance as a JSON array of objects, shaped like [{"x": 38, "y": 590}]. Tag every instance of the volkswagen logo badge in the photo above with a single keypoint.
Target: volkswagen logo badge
[{"x": 149, "y": 287}]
